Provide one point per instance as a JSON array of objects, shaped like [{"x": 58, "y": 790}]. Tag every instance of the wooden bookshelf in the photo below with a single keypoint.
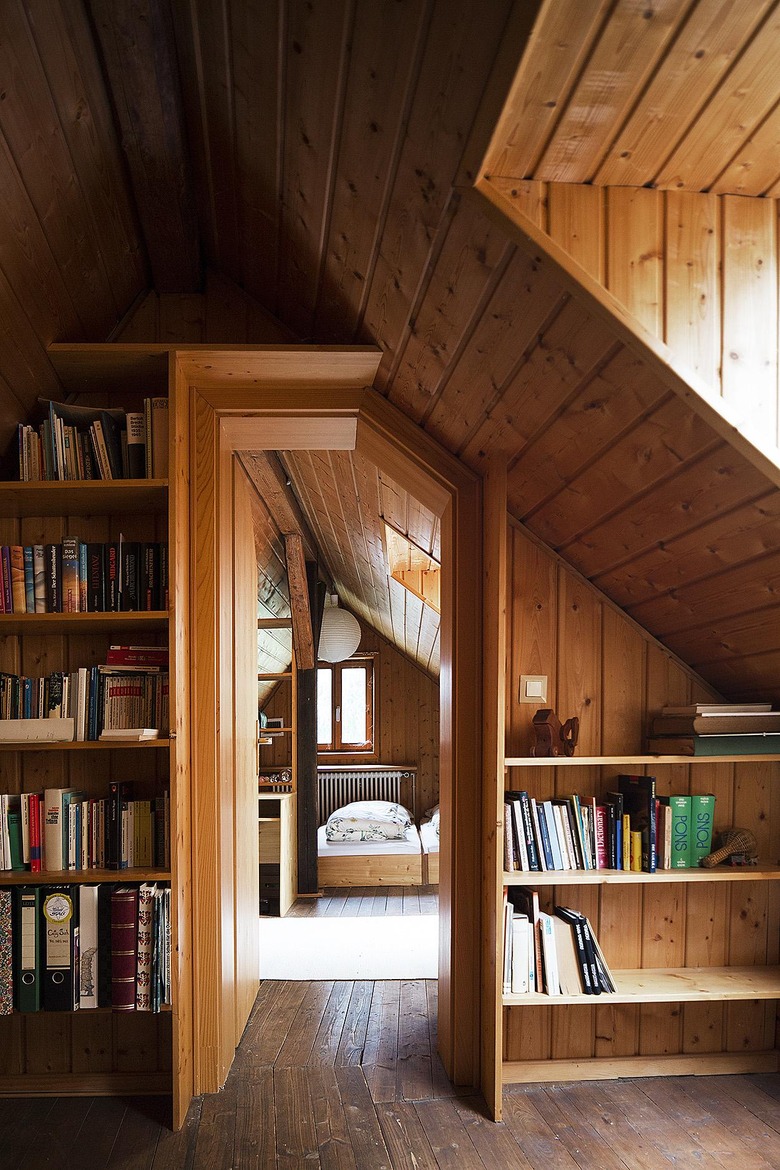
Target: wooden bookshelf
[
  {"x": 99, "y": 1051},
  {"x": 621, "y": 877},
  {"x": 681, "y": 985}
]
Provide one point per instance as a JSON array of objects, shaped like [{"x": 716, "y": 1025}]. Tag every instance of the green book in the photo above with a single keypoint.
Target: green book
[
  {"x": 681, "y": 831},
  {"x": 702, "y": 816},
  {"x": 715, "y": 745},
  {"x": 15, "y": 836}
]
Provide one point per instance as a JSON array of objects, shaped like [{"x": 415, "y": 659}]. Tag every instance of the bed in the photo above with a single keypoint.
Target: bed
[
  {"x": 370, "y": 863},
  {"x": 429, "y": 839},
  {"x": 367, "y": 863}
]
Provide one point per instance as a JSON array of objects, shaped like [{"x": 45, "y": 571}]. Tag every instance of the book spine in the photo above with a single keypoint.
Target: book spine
[
  {"x": 70, "y": 575},
  {"x": 602, "y": 856},
  {"x": 53, "y": 554},
  {"x": 18, "y": 591},
  {"x": 8, "y": 603},
  {"x": 143, "y": 980},
  {"x": 124, "y": 948},
  {"x": 39, "y": 578},
  {"x": 530, "y": 841},
  {"x": 6, "y": 954},
  {"x": 681, "y": 831},
  {"x": 702, "y": 817},
  {"x": 29, "y": 580}
]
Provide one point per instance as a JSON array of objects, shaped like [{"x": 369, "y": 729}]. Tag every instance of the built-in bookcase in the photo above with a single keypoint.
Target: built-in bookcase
[{"x": 99, "y": 1051}]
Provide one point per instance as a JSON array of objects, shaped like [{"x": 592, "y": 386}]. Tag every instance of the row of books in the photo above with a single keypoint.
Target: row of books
[
  {"x": 64, "y": 828},
  {"x": 69, "y": 947},
  {"x": 83, "y": 442},
  {"x": 631, "y": 828},
  {"x": 84, "y": 704},
  {"x": 80, "y": 577},
  {"x": 553, "y": 954},
  {"x": 716, "y": 729}
]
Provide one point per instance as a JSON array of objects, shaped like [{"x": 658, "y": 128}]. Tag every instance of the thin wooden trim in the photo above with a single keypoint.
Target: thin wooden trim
[
  {"x": 85, "y": 745},
  {"x": 289, "y": 433},
  {"x": 600, "y": 1069},
  {"x": 85, "y": 1084}
]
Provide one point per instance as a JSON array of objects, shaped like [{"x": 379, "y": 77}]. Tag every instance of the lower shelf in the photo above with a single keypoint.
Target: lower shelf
[
  {"x": 705, "y": 1064},
  {"x": 85, "y": 1084},
  {"x": 662, "y": 985}
]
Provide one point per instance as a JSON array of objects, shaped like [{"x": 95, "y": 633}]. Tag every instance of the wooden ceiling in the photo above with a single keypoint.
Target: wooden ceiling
[
  {"x": 679, "y": 94},
  {"x": 319, "y": 154}
]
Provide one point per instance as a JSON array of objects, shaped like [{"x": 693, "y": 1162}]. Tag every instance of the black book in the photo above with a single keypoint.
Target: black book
[
  {"x": 96, "y": 579},
  {"x": 119, "y": 792},
  {"x": 104, "y": 945},
  {"x": 53, "y": 577},
  {"x": 112, "y": 576},
  {"x": 639, "y": 802},
  {"x": 60, "y": 949},
  {"x": 113, "y": 424},
  {"x": 585, "y": 949},
  {"x": 163, "y": 591},
  {"x": 130, "y": 571},
  {"x": 150, "y": 581}
]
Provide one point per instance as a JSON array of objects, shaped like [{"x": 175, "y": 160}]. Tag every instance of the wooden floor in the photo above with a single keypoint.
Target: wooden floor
[{"x": 345, "y": 1076}]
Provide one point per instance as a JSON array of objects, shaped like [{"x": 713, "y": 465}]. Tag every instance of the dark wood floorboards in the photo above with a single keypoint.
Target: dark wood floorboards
[{"x": 343, "y": 1075}]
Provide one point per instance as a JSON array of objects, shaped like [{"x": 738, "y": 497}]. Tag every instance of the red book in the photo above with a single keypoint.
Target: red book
[
  {"x": 124, "y": 947},
  {"x": 36, "y": 812},
  {"x": 137, "y": 656}
]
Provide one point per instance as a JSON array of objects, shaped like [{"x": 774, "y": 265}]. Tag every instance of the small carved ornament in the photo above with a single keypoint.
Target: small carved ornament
[
  {"x": 737, "y": 846},
  {"x": 552, "y": 739}
]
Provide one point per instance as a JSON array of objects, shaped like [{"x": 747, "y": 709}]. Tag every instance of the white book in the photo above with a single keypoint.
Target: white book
[
  {"x": 507, "y": 978},
  {"x": 519, "y": 954},
  {"x": 549, "y": 955},
  {"x": 55, "y": 802},
  {"x": 88, "y": 939},
  {"x": 42, "y": 730},
  {"x": 718, "y": 709},
  {"x": 130, "y": 733}
]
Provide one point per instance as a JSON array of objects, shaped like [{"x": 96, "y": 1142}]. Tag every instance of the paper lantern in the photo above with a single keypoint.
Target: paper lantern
[{"x": 339, "y": 633}]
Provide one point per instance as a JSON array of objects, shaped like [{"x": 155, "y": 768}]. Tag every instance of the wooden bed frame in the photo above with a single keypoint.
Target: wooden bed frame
[
  {"x": 430, "y": 869},
  {"x": 369, "y": 868}
]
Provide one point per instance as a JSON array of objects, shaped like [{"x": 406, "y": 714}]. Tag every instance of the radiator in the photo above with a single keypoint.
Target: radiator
[{"x": 339, "y": 786}]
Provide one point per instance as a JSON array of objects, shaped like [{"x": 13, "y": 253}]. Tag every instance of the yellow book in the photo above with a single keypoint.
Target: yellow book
[
  {"x": 626, "y": 841},
  {"x": 636, "y": 851}
]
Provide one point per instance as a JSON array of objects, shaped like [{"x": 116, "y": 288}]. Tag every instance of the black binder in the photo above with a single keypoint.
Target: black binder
[{"x": 60, "y": 949}]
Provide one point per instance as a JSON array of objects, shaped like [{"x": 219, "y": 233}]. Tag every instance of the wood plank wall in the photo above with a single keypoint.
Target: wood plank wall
[
  {"x": 699, "y": 271},
  {"x": 406, "y": 719},
  {"x": 604, "y": 669}
]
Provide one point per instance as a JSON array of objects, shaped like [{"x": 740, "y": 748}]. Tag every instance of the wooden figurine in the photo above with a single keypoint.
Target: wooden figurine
[{"x": 552, "y": 739}]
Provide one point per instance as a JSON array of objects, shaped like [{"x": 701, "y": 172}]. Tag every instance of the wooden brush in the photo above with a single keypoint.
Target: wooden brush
[{"x": 732, "y": 841}]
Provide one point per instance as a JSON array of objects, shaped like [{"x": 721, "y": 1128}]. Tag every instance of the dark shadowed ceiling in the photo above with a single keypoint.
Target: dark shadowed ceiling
[{"x": 319, "y": 154}]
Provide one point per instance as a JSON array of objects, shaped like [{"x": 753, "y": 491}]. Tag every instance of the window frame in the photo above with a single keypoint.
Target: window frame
[{"x": 337, "y": 747}]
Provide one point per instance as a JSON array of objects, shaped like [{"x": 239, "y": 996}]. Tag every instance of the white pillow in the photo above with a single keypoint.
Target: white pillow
[
  {"x": 368, "y": 820},
  {"x": 432, "y": 815}
]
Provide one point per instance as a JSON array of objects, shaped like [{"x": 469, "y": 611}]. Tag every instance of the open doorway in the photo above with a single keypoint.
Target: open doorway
[{"x": 377, "y": 822}]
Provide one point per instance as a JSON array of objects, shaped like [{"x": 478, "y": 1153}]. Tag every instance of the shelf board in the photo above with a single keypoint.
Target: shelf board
[
  {"x": 601, "y": 761},
  {"x": 51, "y": 877},
  {"x": 87, "y": 497},
  {"x": 81, "y": 623},
  {"x": 617, "y": 877},
  {"x": 659, "y": 985},
  {"x": 81, "y": 745},
  {"x": 278, "y": 675},
  {"x": 517, "y": 1072},
  {"x": 94, "y": 1084}
]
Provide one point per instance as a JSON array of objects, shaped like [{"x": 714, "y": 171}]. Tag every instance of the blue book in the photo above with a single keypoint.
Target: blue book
[
  {"x": 29, "y": 579},
  {"x": 546, "y": 810}
]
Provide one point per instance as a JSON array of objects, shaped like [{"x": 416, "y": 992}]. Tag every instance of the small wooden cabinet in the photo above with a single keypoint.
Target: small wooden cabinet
[
  {"x": 277, "y": 840},
  {"x": 277, "y": 819}
]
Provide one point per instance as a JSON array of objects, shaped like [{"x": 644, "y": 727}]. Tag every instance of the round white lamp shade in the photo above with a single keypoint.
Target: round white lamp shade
[{"x": 339, "y": 634}]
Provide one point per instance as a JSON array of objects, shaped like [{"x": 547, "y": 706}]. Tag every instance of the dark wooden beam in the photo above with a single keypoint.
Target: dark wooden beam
[
  {"x": 269, "y": 475},
  {"x": 303, "y": 640},
  {"x": 139, "y": 60}
]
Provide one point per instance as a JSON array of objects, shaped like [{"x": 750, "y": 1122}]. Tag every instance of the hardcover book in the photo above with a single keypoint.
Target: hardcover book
[
  {"x": 639, "y": 803},
  {"x": 702, "y": 817}
]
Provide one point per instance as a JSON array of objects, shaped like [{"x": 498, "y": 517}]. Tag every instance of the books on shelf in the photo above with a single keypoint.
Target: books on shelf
[
  {"x": 88, "y": 443},
  {"x": 79, "y": 577},
  {"x": 554, "y": 954},
  {"x": 62, "y": 829},
  {"x": 713, "y": 729},
  {"x": 80, "y": 947},
  {"x": 614, "y": 832},
  {"x": 83, "y": 703}
]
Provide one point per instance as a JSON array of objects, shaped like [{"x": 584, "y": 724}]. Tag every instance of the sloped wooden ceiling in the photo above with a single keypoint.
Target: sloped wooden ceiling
[{"x": 328, "y": 148}]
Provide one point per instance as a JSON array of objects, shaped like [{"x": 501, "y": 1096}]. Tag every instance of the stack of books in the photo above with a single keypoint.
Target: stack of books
[
  {"x": 69, "y": 947},
  {"x": 84, "y": 442},
  {"x": 716, "y": 729},
  {"x": 630, "y": 828},
  {"x": 553, "y": 954}
]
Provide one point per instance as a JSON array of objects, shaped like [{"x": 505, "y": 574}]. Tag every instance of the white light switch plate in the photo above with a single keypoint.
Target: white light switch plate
[{"x": 533, "y": 689}]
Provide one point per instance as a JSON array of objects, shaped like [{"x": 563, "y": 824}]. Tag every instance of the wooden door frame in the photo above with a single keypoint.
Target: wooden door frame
[{"x": 295, "y": 394}]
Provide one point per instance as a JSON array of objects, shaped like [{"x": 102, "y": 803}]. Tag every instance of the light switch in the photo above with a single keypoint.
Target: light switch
[{"x": 533, "y": 688}]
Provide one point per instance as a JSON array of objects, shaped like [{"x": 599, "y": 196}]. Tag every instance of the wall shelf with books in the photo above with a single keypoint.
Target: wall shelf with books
[{"x": 100, "y": 1050}]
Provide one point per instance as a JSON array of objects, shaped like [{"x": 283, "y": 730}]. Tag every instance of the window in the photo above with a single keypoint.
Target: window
[{"x": 345, "y": 706}]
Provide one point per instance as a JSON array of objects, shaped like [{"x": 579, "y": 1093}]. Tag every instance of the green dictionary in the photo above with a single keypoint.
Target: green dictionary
[
  {"x": 702, "y": 816},
  {"x": 681, "y": 831}
]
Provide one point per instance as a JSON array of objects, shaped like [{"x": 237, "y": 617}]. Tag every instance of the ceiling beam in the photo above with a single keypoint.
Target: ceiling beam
[
  {"x": 137, "y": 44},
  {"x": 273, "y": 484},
  {"x": 303, "y": 638}
]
